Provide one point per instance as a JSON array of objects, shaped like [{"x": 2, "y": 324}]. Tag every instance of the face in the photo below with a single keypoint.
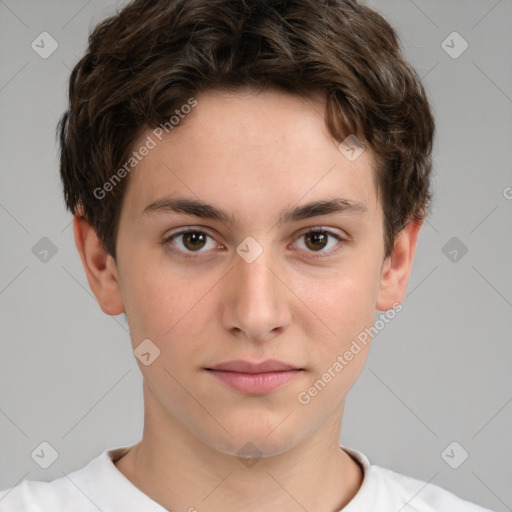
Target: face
[{"x": 254, "y": 283}]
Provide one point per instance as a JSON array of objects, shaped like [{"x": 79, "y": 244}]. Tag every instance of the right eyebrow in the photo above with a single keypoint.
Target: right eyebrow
[{"x": 188, "y": 206}]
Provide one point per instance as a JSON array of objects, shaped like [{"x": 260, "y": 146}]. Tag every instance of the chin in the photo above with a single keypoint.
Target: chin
[{"x": 253, "y": 441}]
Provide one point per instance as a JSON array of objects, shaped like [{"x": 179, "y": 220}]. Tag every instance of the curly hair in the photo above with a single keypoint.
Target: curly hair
[{"x": 148, "y": 59}]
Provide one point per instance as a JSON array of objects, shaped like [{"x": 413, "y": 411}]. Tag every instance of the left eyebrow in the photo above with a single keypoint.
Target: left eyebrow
[
  {"x": 201, "y": 209},
  {"x": 323, "y": 207}
]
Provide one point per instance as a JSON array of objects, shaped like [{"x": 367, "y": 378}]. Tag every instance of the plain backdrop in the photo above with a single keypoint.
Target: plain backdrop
[{"x": 438, "y": 374}]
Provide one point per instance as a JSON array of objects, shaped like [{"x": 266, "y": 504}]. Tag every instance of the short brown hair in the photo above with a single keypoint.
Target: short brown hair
[{"x": 149, "y": 58}]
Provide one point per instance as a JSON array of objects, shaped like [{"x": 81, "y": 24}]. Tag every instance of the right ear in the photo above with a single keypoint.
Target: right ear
[{"x": 99, "y": 266}]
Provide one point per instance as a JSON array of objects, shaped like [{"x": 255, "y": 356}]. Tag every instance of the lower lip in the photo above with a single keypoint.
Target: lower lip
[{"x": 255, "y": 383}]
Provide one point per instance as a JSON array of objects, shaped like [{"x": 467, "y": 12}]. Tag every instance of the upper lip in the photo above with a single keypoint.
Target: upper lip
[{"x": 270, "y": 365}]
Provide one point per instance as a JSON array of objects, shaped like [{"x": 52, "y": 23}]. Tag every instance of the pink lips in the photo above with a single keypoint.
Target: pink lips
[{"x": 255, "y": 378}]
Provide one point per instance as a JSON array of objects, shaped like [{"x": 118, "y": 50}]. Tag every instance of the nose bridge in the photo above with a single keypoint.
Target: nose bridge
[
  {"x": 256, "y": 279},
  {"x": 258, "y": 298}
]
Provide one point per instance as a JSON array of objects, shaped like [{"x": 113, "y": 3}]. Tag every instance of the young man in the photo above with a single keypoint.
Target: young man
[{"x": 248, "y": 181}]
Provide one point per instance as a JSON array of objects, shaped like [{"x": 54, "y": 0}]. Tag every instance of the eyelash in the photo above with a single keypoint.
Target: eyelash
[{"x": 167, "y": 241}]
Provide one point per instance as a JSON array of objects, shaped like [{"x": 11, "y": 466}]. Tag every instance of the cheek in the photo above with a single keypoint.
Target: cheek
[
  {"x": 174, "y": 311},
  {"x": 153, "y": 301},
  {"x": 343, "y": 302},
  {"x": 344, "y": 306}
]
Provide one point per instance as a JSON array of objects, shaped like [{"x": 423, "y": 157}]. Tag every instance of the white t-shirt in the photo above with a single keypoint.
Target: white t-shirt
[{"x": 101, "y": 487}]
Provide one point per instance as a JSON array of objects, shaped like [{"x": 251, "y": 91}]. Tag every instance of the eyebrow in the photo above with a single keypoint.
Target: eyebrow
[{"x": 198, "y": 208}]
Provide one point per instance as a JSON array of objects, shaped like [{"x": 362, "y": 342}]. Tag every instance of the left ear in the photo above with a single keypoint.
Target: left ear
[{"x": 396, "y": 268}]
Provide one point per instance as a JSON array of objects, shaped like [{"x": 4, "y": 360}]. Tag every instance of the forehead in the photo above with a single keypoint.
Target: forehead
[{"x": 247, "y": 148}]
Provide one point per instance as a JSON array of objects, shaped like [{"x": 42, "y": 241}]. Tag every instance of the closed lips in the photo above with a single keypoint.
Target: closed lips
[{"x": 270, "y": 365}]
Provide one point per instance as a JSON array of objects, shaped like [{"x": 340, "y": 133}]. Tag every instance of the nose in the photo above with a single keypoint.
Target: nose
[{"x": 257, "y": 299}]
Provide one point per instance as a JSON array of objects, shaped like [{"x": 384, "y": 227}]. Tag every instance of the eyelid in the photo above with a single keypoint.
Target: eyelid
[{"x": 327, "y": 229}]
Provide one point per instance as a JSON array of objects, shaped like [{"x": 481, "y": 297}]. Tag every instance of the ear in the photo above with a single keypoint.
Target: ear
[
  {"x": 396, "y": 268},
  {"x": 99, "y": 267}
]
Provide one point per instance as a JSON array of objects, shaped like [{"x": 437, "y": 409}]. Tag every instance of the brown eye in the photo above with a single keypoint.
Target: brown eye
[
  {"x": 190, "y": 241},
  {"x": 316, "y": 240},
  {"x": 194, "y": 240},
  {"x": 321, "y": 241}
]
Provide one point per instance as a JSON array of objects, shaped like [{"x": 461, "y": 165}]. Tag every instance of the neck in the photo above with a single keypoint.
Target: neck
[{"x": 181, "y": 472}]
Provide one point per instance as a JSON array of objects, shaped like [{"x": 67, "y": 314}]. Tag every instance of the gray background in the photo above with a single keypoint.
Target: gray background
[{"x": 438, "y": 373}]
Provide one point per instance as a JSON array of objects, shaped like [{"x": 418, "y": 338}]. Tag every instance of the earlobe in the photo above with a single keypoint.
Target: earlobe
[
  {"x": 99, "y": 267},
  {"x": 397, "y": 268}
]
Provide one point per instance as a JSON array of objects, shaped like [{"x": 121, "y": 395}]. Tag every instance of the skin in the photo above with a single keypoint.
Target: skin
[{"x": 252, "y": 155}]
